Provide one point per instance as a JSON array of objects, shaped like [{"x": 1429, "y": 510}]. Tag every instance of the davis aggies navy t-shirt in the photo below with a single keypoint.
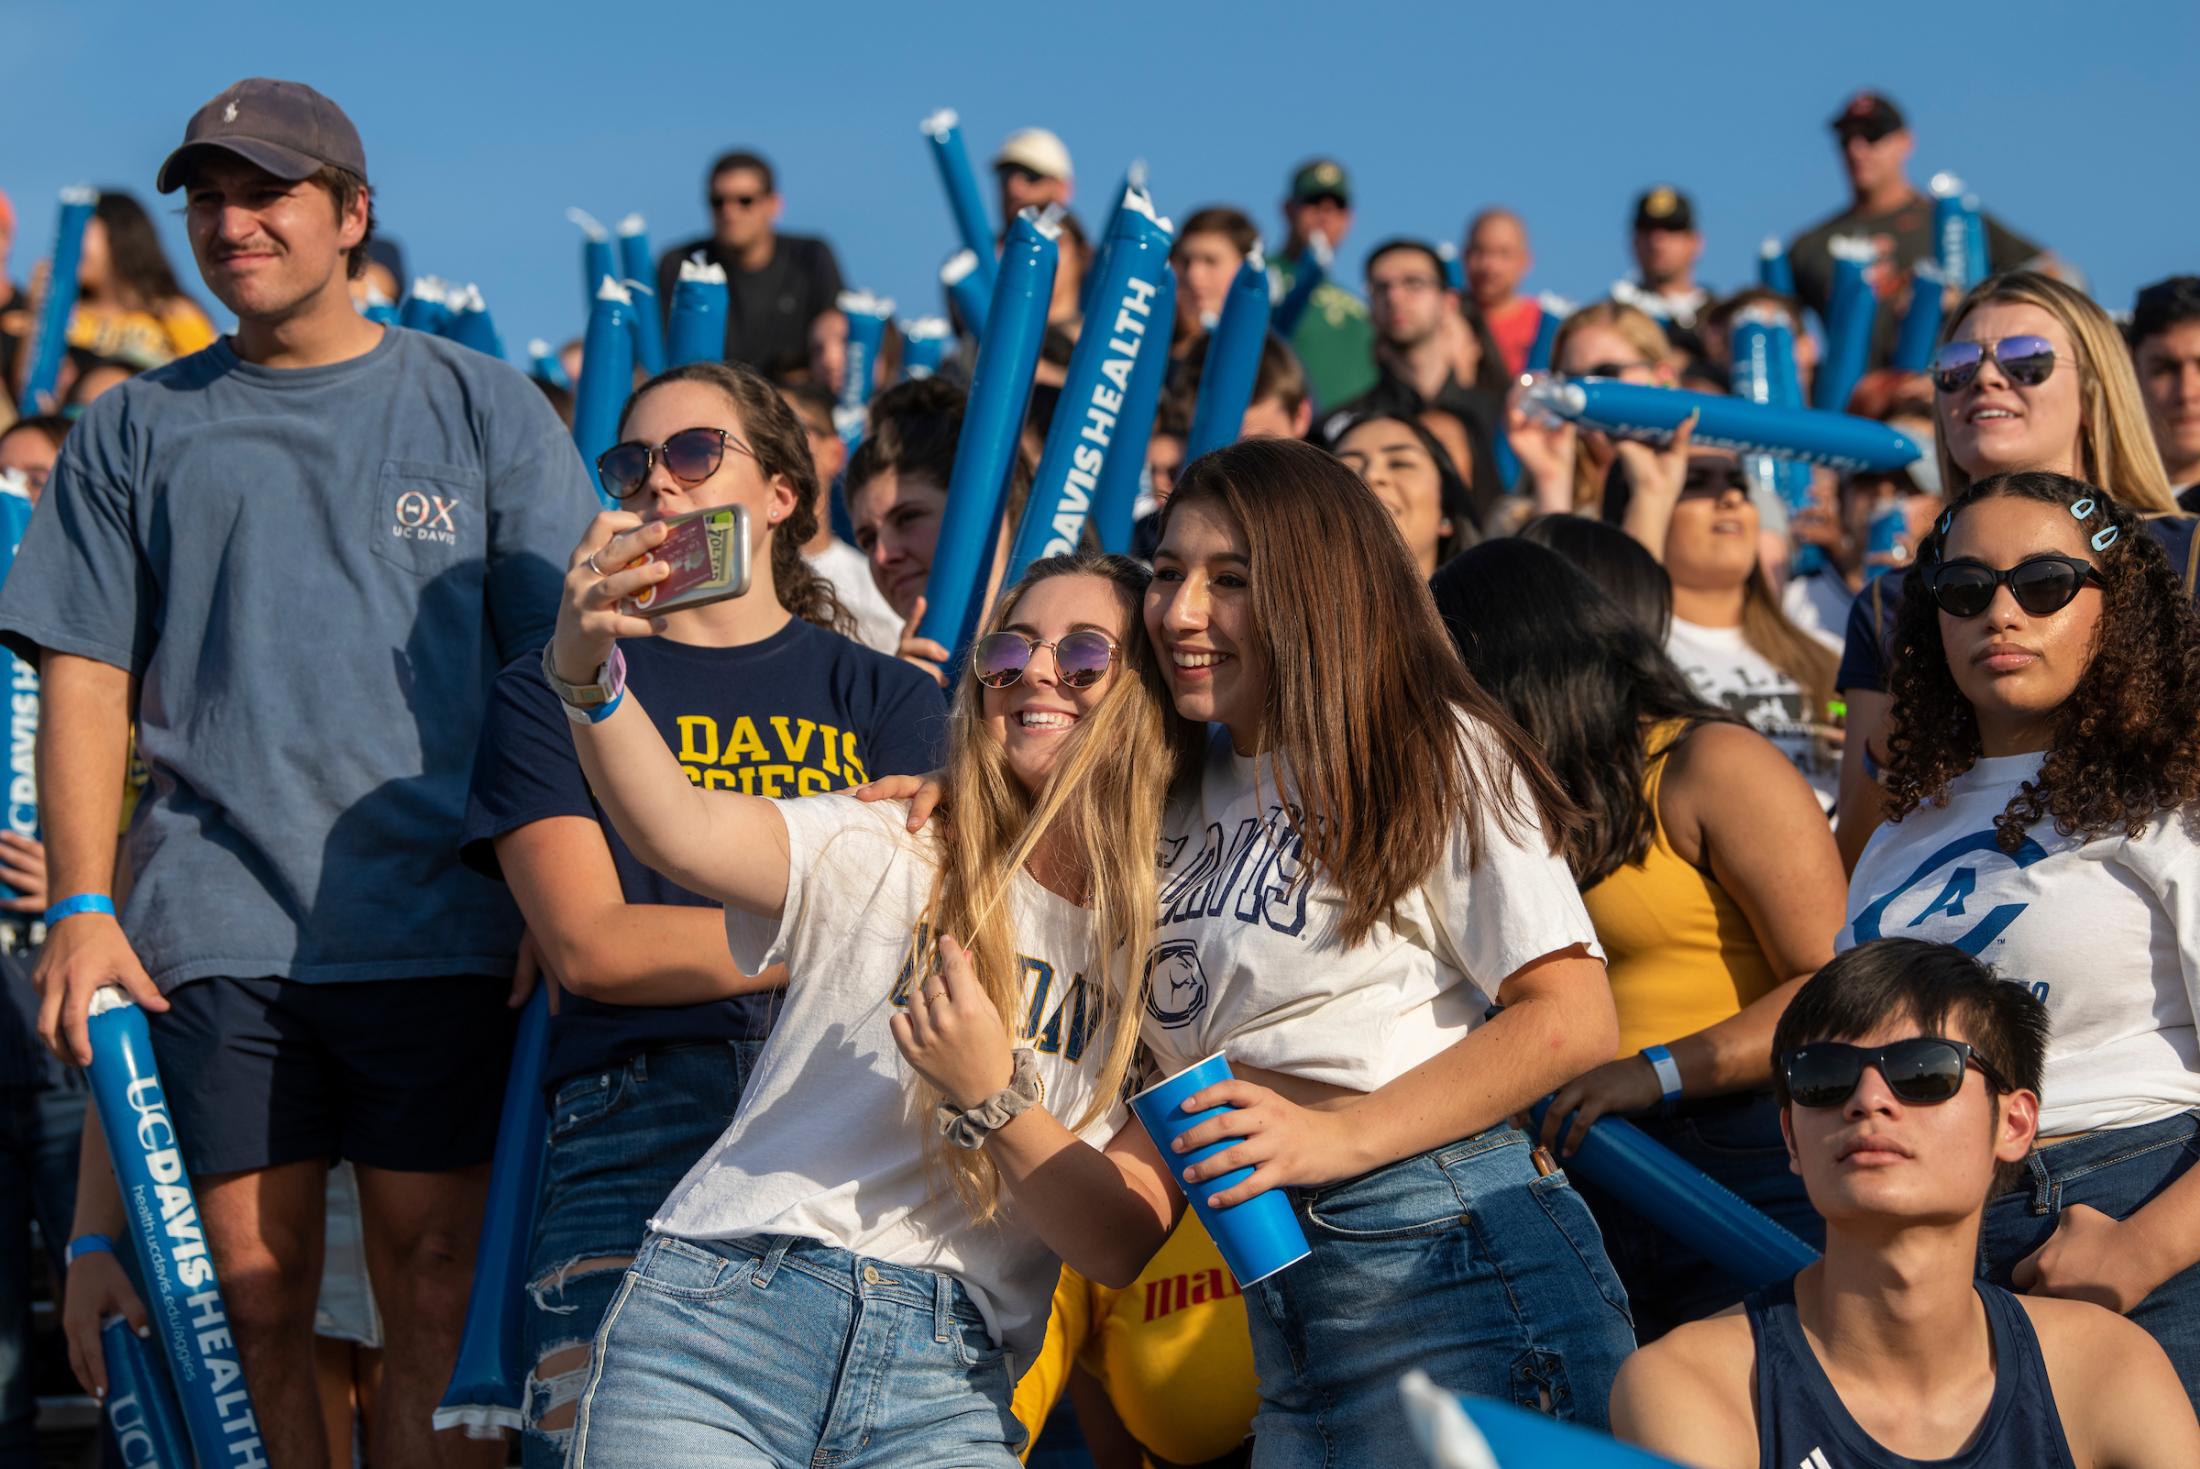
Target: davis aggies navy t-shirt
[{"x": 803, "y": 712}]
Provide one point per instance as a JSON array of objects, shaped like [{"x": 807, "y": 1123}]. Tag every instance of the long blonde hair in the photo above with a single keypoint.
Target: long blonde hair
[
  {"x": 2115, "y": 443},
  {"x": 1109, "y": 790},
  {"x": 1637, "y": 328}
]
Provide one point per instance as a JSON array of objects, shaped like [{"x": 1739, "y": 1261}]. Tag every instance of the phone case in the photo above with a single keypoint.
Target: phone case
[{"x": 708, "y": 551}]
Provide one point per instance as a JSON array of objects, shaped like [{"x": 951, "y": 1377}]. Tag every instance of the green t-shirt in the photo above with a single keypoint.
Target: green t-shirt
[{"x": 1335, "y": 341}]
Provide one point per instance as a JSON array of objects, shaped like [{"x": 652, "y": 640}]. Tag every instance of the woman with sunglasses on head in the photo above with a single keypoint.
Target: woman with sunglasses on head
[
  {"x": 657, "y": 1030},
  {"x": 1363, "y": 905},
  {"x": 1708, "y": 871},
  {"x": 858, "y": 1261},
  {"x": 2030, "y": 375},
  {"x": 2043, "y": 792}
]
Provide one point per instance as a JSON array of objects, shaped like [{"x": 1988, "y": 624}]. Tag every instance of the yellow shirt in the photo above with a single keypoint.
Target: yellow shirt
[
  {"x": 142, "y": 339},
  {"x": 1171, "y": 1351},
  {"x": 1679, "y": 951}
]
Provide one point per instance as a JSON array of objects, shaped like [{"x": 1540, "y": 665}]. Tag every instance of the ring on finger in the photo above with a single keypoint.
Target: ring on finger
[{"x": 592, "y": 566}]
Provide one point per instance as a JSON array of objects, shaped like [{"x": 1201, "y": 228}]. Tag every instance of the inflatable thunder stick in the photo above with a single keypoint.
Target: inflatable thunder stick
[
  {"x": 1913, "y": 344},
  {"x": 1123, "y": 475},
  {"x": 1959, "y": 233},
  {"x": 378, "y": 308},
  {"x": 488, "y": 1386},
  {"x": 1455, "y": 269},
  {"x": 969, "y": 291},
  {"x": 993, "y": 421},
  {"x": 543, "y": 364},
  {"x": 699, "y": 302},
  {"x": 182, "y": 1296},
  {"x": 471, "y": 325},
  {"x": 1852, "y": 316},
  {"x": 1762, "y": 353},
  {"x": 1311, "y": 270},
  {"x": 923, "y": 343},
  {"x": 598, "y": 258},
  {"x": 1773, "y": 270},
  {"x": 427, "y": 306},
  {"x": 1124, "y": 324},
  {"x": 867, "y": 317},
  {"x": 1134, "y": 178},
  {"x": 22, "y": 805},
  {"x": 141, "y": 1406},
  {"x": 607, "y": 375},
  {"x": 640, "y": 270},
  {"x": 1459, "y": 1431},
  {"x": 1233, "y": 360},
  {"x": 1690, "y": 1206},
  {"x": 1631, "y": 411},
  {"x": 944, "y": 130},
  {"x": 51, "y": 343}
]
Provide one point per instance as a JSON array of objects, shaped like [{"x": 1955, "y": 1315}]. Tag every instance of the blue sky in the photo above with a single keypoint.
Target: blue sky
[{"x": 483, "y": 123}]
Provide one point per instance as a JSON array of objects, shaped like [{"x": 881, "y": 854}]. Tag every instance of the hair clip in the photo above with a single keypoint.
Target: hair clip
[
  {"x": 2105, "y": 537},
  {"x": 2082, "y": 508}
]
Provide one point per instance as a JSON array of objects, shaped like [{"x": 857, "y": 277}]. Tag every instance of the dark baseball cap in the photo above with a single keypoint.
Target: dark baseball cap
[
  {"x": 286, "y": 128},
  {"x": 1321, "y": 178},
  {"x": 1663, "y": 207},
  {"x": 1870, "y": 114}
]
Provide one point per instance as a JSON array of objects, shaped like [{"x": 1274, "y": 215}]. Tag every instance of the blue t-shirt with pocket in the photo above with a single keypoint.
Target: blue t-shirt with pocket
[
  {"x": 803, "y": 712},
  {"x": 315, "y": 575}
]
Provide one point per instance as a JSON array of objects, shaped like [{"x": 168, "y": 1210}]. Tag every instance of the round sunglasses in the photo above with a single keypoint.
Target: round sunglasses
[
  {"x": 2041, "y": 584},
  {"x": 1923, "y": 1071},
  {"x": 690, "y": 456},
  {"x": 1081, "y": 658},
  {"x": 2025, "y": 361}
]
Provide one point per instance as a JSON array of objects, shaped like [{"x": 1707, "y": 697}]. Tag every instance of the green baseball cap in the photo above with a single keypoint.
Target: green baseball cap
[{"x": 1321, "y": 178}]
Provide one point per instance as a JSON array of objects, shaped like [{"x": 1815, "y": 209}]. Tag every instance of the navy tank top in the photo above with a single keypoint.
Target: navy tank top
[{"x": 1802, "y": 1424}]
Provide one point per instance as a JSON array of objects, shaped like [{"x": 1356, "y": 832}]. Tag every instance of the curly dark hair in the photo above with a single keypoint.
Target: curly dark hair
[{"x": 2127, "y": 740}]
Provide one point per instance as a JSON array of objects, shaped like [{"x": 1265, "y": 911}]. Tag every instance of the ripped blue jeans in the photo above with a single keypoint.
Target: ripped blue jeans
[
  {"x": 620, "y": 1139},
  {"x": 1461, "y": 1262}
]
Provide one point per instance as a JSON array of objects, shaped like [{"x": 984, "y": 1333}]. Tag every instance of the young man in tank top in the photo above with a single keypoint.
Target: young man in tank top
[{"x": 1908, "y": 1077}]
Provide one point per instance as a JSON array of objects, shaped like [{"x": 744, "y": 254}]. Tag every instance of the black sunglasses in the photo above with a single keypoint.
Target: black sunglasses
[
  {"x": 690, "y": 456},
  {"x": 2041, "y": 584},
  {"x": 1610, "y": 369},
  {"x": 2025, "y": 361},
  {"x": 738, "y": 201},
  {"x": 1922, "y": 1071},
  {"x": 1081, "y": 658},
  {"x": 1710, "y": 479}
]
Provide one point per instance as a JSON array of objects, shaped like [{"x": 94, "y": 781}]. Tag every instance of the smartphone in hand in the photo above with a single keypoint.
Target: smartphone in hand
[{"x": 708, "y": 551}]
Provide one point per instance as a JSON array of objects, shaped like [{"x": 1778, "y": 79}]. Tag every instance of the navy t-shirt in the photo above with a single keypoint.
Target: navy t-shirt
[
  {"x": 1867, "y": 647},
  {"x": 803, "y": 712}
]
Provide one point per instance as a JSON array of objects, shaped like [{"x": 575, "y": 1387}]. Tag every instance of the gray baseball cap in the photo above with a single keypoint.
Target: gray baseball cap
[{"x": 286, "y": 128}]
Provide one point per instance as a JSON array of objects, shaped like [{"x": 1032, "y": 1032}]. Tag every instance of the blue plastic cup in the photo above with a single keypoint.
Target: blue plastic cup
[{"x": 1258, "y": 1237}]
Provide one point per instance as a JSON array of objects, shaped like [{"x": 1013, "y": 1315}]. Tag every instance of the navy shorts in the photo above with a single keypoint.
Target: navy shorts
[{"x": 404, "y": 1074}]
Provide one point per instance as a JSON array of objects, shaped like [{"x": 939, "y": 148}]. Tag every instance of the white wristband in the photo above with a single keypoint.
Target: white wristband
[{"x": 1668, "y": 1070}]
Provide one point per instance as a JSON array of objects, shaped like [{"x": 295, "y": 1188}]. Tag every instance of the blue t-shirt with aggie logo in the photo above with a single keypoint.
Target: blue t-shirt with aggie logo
[{"x": 803, "y": 712}]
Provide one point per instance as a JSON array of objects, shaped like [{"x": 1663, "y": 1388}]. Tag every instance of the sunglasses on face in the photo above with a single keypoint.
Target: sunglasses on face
[
  {"x": 1610, "y": 369},
  {"x": 2025, "y": 361},
  {"x": 1081, "y": 658},
  {"x": 1924, "y": 1071},
  {"x": 1710, "y": 479},
  {"x": 2041, "y": 584},
  {"x": 735, "y": 201},
  {"x": 690, "y": 456}
]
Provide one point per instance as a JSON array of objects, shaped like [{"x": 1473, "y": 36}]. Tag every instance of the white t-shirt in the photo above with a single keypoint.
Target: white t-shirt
[
  {"x": 828, "y": 1143},
  {"x": 2106, "y": 933},
  {"x": 1248, "y": 958},
  {"x": 1728, "y": 672},
  {"x": 845, "y": 567},
  {"x": 1819, "y": 604}
]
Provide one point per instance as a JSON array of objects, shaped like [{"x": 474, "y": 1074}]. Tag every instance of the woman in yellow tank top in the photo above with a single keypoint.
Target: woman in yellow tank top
[{"x": 1709, "y": 872}]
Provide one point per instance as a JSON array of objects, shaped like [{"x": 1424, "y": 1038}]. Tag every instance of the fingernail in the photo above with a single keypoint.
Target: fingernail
[
  {"x": 1177, "y": 1146},
  {"x": 1214, "y": 1201}
]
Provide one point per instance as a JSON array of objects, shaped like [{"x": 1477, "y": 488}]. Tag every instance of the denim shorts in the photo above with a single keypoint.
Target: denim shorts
[
  {"x": 1462, "y": 1262},
  {"x": 2115, "y": 1172},
  {"x": 764, "y": 1352},
  {"x": 620, "y": 1139},
  {"x": 1736, "y": 1140}
]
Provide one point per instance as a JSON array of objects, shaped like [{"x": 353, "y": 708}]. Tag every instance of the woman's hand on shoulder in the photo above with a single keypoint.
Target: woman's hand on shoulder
[
  {"x": 1285, "y": 1144},
  {"x": 926, "y": 794}
]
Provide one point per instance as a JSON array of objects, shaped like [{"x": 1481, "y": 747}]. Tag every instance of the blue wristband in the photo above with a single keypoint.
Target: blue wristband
[
  {"x": 596, "y": 715},
  {"x": 87, "y": 1244},
  {"x": 81, "y": 903},
  {"x": 1668, "y": 1070}
]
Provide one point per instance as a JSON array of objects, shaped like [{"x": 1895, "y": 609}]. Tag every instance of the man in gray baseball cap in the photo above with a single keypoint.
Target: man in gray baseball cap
[{"x": 294, "y": 562}]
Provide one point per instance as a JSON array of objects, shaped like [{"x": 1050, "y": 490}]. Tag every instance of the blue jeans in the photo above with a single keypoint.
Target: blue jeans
[
  {"x": 1462, "y": 1262},
  {"x": 619, "y": 1141},
  {"x": 2115, "y": 1172},
  {"x": 1736, "y": 1140},
  {"x": 772, "y": 1352},
  {"x": 39, "y": 1127}
]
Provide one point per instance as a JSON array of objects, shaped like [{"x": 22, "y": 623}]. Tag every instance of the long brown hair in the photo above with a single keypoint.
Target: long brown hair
[
  {"x": 1108, "y": 790},
  {"x": 782, "y": 451},
  {"x": 2115, "y": 444},
  {"x": 1365, "y": 689},
  {"x": 1767, "y": 628}
]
